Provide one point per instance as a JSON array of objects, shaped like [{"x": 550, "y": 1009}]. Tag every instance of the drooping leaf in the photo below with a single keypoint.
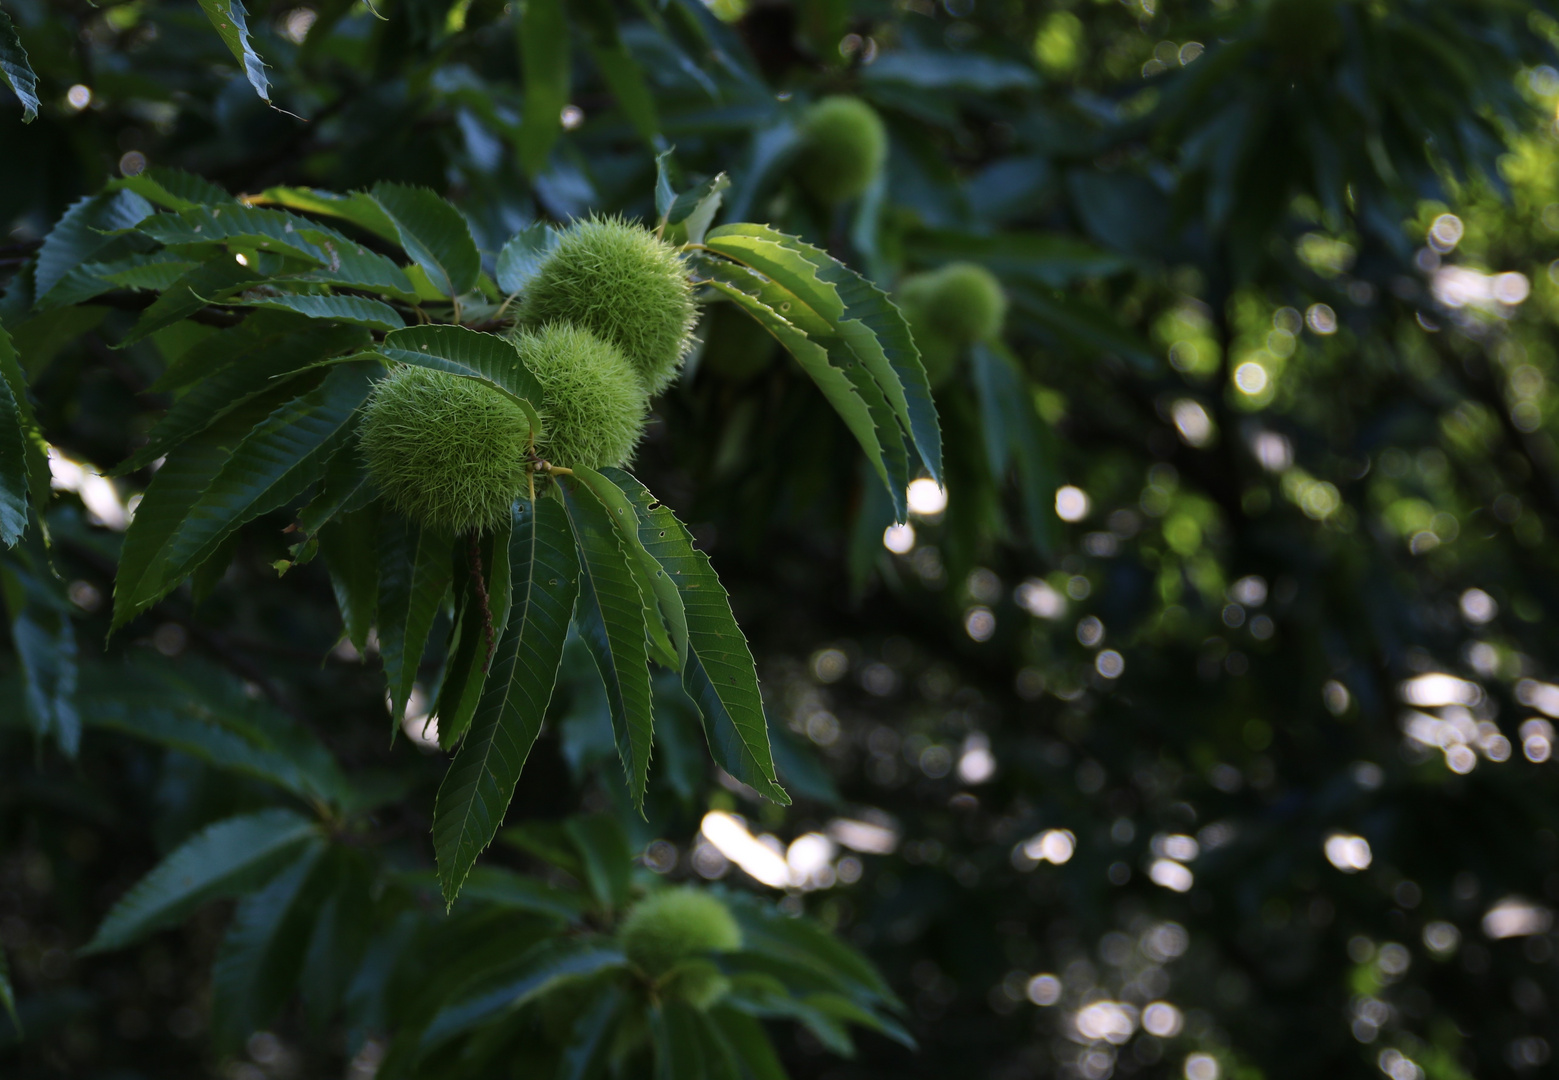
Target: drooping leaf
[
  {"x": 414, "y": 575},
  {"x": 471, "y": 353},
  {"x": 858, "y": 311},
  {"x": 358, "y": 310},
  {"x": 618, "y": 67},
  {"x": 174, "y": 489},
  {"x": 212, "y": 281},
  {"x": 273, "y": 464},
  {"x": 545, "y": 966},
  {"x": 232, "y": 24},
  {"x": 505, "y": 888},
  {"x": 483, "y": 593},
  {"x": 664, "y": 619},
  {"x": 36, "y": 448},
  {"x": 719, "y": 675},
  {"x": 1013, "y": 430},
  {"x": 174, "y": 189},
  {"x": 544, "y": 57},
  {"x": 18, "y": 75},
  {"x": 476, "y": 791},
  {"x": 523, "y": 255},
  {"x": 349, "y": 545},
  {"x": 13, "y": 460},
  {"x": 743, "y": 287},
  {"x": 434, "y": 234},
  {"x": 345, "y": 488},
  {"x": 590, "y": 1042},
  {"x": 688, "y": 1046},
  {"x": 258, "y": 962},
  {"x": 225, "y": 859},
  {"x": 82, "y": 232},
  {"x": 45, "y": 644},
  {"x": 750, "y": 1043},
  {"x": 250, "y": 366},
  {"x": 610, "y": 613},
  {"x": 342, "y": 934}
]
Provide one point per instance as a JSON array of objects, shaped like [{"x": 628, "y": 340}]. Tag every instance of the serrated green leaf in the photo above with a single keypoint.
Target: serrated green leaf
[
  {"x": 13, "y": 461},
  {"x": 767, "y": 932},
  {"x": 348, "y": 543},
  {"x": 694, "y": 211},
  {"x": 355, "y": 266},
  {"x": 858, "y": 311},
  {"x": 357, "y": 310},
  {"x": 345, "y": 488},
  {"x": 18, "y": 75},
  {"x": 414, "y": 575},
  {"x": 664, "y": 619},
  {"x": 341, "y": 933},
  {"x": 45, "y": 644},
  {"x": 261, "y": 954},
  {"x": 617, "y": 66},
  {"x": 544, "y": 55},
  {"x": 176, "y": 715},
  {"x": 358, "y": 207},
  {"x": 523, "y": 255},
  {"x": 274, "y": 231},
  {"x": 610, "y": 615},
  {"x": 603, "y": 849},
  {"x": 841, "y": 393},
  {"x": 475, "y": 631},
  {"x": 83, "y": 231},
  {"x": 157, "y": 270},
  {"x": 37, "y": 448},
  {"x": 470, "y": 353},
  {"x": 272, "y": 465},
  {"x": 232, "y": 25},
  {"x": 174, "y": 189},
  {"x": 187, "y": 472},
  {"x": 539, "y": 970},
  {"x": 476, "y": 791},
  {"x": 434, "y": 234},
  {"x": 224, "y": 859},
  {"x": 720, "y": 675},
  {"x": 252, "y": 363},
  {"x": 213, "y": 280},
  {"x": 896, "y": 454}
]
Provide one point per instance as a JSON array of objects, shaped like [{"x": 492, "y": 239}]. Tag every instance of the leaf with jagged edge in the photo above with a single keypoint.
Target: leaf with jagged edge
[
  {"x": 274, "y": 463},
  {"x": 665, "y": 622},
  {"x": 480, "y": 782},
  {"x": 469, "y": 353},
  {"x": 250, "y": 366},
  {"x": 545, "y": 51},
  {"x": 13, "y": 462},
  {"x": 228, "y": 858},
  {"x": 17, "y": 73},
  {"x": 415, "y": 568},
  {"x": 543, "y": 967},
  {"x": 474, "y": 632},
  {"x": 174, "y": 189},
  {"x": 747, "y": 290},
  {"x": 348, "y": 543},
  {"x": 255, "y": 227},
  {"x": 434, "y": 233},
  {"x": 357, "y": 310},
  {"x": 174, "y": 489},
  {"x": 719, "y": 675},
  {"x": 258, "y": 962},
  {"x": 232, "y": 26},
  {"x": 859, "y": 312},
  {"x": 610, "y": 616},
  {"x": 37, "y": 448},
  {"x": 521, "y": 258},
  {"x": 83, "y": 231},
  {"x": 213, "y": 280}
]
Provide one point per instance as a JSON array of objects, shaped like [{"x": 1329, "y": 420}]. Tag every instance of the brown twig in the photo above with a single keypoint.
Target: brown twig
[{"x": 481, "y": 596}]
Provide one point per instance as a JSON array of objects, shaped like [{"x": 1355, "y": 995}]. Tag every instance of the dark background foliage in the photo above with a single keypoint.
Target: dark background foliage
[{"x": 1281, "y": 337}]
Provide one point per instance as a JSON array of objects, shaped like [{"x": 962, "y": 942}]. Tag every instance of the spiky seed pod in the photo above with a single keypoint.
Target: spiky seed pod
[
  {"x": 446, "y": 450},
  {"x": 675, "y": 925},
  {"x": 843, "y": 146},
  {"x": 938, "y": 353},
  {"x": 593, "y": 404},
  {"x": 962, "y": 301},
  {"x": 626, "y": 285}
]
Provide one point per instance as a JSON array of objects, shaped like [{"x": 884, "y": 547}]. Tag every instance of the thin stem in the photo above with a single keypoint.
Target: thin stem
[{"x": 475, "y": 549}]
